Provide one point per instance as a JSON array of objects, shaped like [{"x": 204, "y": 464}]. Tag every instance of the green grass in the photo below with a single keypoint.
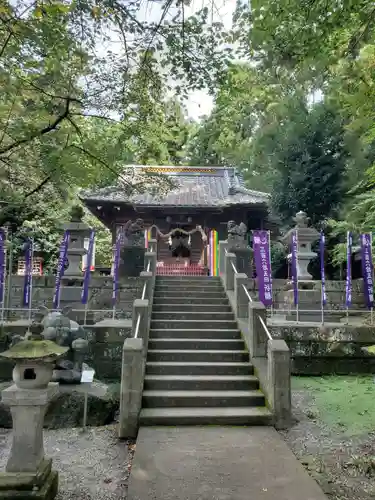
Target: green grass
[{"x": 345, "y": 402}]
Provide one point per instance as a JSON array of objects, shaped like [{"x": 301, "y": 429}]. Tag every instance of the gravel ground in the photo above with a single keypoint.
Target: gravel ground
[
  {"x": 343, "y": 465},
  {"x": 95, "y": 465},
  {"x": 92, "y": 465}
]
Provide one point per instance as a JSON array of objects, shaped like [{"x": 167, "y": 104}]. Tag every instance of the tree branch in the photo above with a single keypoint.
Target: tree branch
[
  {"x": 38, "y": 187},
  {"x": 6, "y": 43},
  {"x": 52, "y": 126}
]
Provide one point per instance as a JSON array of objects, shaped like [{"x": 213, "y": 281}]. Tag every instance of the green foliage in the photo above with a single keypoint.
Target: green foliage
[
  {"x": 308, "y": 154},
  {"x": 73, "y": 111}
]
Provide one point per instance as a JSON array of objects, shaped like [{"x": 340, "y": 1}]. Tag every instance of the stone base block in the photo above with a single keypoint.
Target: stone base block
[{"x": 42, "y": 485}]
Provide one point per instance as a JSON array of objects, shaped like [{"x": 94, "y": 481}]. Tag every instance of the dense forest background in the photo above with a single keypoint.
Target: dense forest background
[{"x": 294, "y": 104}]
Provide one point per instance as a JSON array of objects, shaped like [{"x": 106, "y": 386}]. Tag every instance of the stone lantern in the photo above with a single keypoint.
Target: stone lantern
[
  {"x": 306, "y": 237},
  {"x": 28, "y": 473},
  {"x": 78, "y": 230},
  {"x": 309, "y": 291}
]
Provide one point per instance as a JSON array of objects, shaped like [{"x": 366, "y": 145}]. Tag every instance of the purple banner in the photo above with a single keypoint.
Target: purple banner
[
  {"x": 60, "y": 269},
  {"x": 322, "y": 270},
  {"x": 294, "y": 266},
  {"x": 2, "y": 263},
  {"x": 28, "y": 273},
  {"x": 116, "y": 262},
  {"x": 261, "y": 247},
  {"x": 367, "y": 269},
  {"x": 348, "y": 286},
  {"x": 86, "y": 279}
]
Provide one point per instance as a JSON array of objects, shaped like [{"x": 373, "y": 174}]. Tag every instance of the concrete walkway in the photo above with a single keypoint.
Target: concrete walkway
[{"x": 217, "y": 463}]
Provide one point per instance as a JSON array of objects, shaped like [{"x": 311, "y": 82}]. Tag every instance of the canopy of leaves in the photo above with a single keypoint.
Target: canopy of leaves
[{"x": 74, "y": 110}]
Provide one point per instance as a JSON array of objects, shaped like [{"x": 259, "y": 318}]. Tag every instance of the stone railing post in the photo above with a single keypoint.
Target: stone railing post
[
  {"x": 141, "y": 307},
  {"x": 258, "y": 337},
  {"x": 223, "y": 245},
  {"x": 132, "y": 377},
  {"x": 229, "y": 271},
  {"x": 241, "y": 299},
  {"x": 152, "y": 245},
  {"x": 149, "y": 280},
  {"x": 279, "y": 383},
  {"x": 150, "y": 257}
]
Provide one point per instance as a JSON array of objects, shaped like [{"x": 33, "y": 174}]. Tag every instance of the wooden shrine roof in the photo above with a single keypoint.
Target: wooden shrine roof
[{"x": 189, "y": 186}]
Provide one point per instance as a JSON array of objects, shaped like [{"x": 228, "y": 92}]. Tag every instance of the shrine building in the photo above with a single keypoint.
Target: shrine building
[{"x": 198, "y": 196}]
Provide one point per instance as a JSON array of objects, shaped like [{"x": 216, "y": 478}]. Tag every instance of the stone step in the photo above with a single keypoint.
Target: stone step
[
  {"x": 206, "y": 416},
  {"x": 193, "y": 355},
  {"x": 188, "y": 279},
  {"x": 190, "y": 288},
  {"x": 187, "y": 294},
  {"x": 191, "y": 324},
  {"x": 213, "y": 308},
  {"x": 192, "y": 315},
  {"x": 191, "y": 283},
  {"x": 193, "y": 399},
  {"x": 201, "y": 382},
  {"x": 197, "y": 343},
  {"x": 194, "y": 334},
  {"x": 198, "y": 368},
  {"x": 201, "y": 300}
]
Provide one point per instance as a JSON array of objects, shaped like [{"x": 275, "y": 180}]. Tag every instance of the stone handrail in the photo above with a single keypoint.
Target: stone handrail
[
  {"x": 270, "y": 357},
  {"x": 135, "y": 351}
]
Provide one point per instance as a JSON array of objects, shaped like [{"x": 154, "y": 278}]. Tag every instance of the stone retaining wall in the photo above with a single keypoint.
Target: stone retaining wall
[
  {"x": 322, "y": 350},
  {"x": 105, "y": 341},
  {"x": 335, "y": 291}
]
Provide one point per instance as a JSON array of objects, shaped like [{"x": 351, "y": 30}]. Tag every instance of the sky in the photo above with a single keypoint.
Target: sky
[{"x": 199, "y": 103}]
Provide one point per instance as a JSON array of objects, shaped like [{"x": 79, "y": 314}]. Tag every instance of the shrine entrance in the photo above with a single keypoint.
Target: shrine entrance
[{"x": 181, "y": 251}]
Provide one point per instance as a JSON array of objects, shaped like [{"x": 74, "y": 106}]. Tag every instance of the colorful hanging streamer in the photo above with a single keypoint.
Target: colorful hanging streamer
[{"x": 214, "y": 253}]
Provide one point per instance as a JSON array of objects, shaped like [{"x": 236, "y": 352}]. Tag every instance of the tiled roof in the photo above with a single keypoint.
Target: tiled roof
[{"x": 192, "y": 186}]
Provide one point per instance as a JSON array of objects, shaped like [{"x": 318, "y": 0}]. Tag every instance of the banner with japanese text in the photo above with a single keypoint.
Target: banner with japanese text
[
  {"x": 322, "y": 269},
  {"x": 87, "y": 275},
  {"x": 116, "y": 263},
  {"x": 348, "y": 285},
  {"x": 367, "y": 269},
  {"x": 28, "y": 272},
  {"x": 2, "y": 263},
  {"x": 261, "y": 248},
  {"x": 61, "y": 268},
  {"x": 295, "y": 266}
]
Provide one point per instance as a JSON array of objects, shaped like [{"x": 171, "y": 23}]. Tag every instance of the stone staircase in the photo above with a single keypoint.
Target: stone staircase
[{"x": 198, "y": 370}]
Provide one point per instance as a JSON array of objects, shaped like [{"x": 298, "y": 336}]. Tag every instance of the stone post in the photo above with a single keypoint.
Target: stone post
[
  {"x": 223, "y": 245},
  {"x": 279, "y": 372},
  {"x": 132, "y": 377},
  {"x": 258, "y": 337},
  {"x": 150, "y": 257},
  {"x": 152, "y": 245},
  {"x": 149, "y": 280},
  {"x": 141, "y": 307},
  {"x": 28, "y": 408},
  {"x": 241, "y": 298},
  {"x": 230, "y": 260}
]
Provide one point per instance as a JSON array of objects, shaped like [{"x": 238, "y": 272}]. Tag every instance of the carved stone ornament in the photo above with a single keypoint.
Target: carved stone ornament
[
  {"x": 236, "y": 236},
  {"x": 134, "y": 233}
]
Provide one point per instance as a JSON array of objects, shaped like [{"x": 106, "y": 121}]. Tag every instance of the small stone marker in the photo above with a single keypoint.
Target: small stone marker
[{"x": 87, "y": 379}]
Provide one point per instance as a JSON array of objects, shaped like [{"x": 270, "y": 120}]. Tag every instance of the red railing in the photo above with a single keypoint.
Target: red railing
[{"x": 180, "y": 269}]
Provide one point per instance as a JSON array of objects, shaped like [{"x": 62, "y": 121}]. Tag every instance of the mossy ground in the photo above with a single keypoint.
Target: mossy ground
[{"x": 347, "y": 402}]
